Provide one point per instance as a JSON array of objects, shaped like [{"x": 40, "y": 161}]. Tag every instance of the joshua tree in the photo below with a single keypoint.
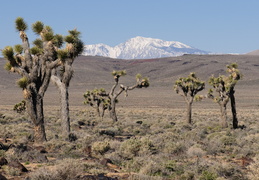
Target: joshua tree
[
  {"x": 234, "y": 76},
  {"x": 20, "y": 107},
  {"x": 188, "y": 88},
  {"x": 224, "y": 87},
  {"x": 35, "y": 66},
  {"x": 222, "y": 97},
  {"x": 141, "y": 82},
  {"x": 62, "y": 76},
  {"x": 98, "y": 98}
]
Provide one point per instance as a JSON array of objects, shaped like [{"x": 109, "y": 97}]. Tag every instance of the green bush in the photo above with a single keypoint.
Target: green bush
[
  {"x": 207, "y": 175},
  {"x": 101, "y": 147}
]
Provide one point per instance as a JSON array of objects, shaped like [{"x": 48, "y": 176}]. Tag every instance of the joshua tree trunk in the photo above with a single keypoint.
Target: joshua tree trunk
[
  {"x": 34, "y": 105},
  {"x": 64, "y": 107},
  {"x": 113, "y": 111},
  {"x": 223, "y": 110},
  {"x": 65, "y": 119},
  {"x": 98, "y": 111},
  {"x": 189, "y": 112},
  {"x": 233, "y": 108},
  {"x": 103, "y": 111}
]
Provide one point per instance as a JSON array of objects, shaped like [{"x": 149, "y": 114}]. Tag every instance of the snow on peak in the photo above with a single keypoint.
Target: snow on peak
[{"x": 142, "y": 48}]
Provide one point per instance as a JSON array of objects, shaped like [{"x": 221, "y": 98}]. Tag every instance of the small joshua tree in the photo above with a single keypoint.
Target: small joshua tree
[
  {"x": 140, "y": 83},
  {"x": 97, "y": 98},
  {"x": 223, "y": 87},
  {"x": 221, "y": 97},
  {"x": 20, "y": 107},
  {"x": 188, "y": 88}
]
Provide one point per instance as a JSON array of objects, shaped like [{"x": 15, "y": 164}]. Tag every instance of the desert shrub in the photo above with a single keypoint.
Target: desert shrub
[
  {"x": 228, "y": 171},
  {"x": 177, "y": 148},
  {"x": 195, "y": 151},
  {"x": 152, "y": 168},
  {"x": 207, "y": 175},
  {"x": 136, "y": 147},
  {"x": 130, "y": 148},
  {"x": 11, "y": 171},
  {"x": 253, "y": 168},
  {"x": 101, "y": 147},
  {"x": 228, "y": 140},
  {"x": 66, "y": 169},
  {"x": 143, "y": 177},
  {"x": 108, "y": 132},
  {"x": 173, "y": 168},
  {"x": 135, "y": 164}
]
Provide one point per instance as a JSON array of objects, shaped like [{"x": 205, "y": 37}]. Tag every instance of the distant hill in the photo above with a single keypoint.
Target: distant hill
[
  {"x": 95, "y": 72},
  {"x": 256, "y": 52},
  {"x": 142, "y": 48}
]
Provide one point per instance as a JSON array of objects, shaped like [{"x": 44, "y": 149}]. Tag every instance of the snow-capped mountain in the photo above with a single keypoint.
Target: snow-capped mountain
[{"x": 142, "y": 48}]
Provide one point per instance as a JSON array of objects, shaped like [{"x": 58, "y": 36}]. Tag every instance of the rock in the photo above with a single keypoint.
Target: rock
[
  {"x": 72, "y": 137},
  {"x": 105, "y": 161},
  {"x": 107, "y": 132},
  {"x": 139, "y": 122},
  {"x": 41, "y": 149},
  {"x": 81, "y": 123},
  {"x": 16, "y": 164},
  {"x": 3, "y": 161},
  {"x": 2, "y": 177},
  {"x": 88, "y": 151},
  {"x": 103, "y": 177}
]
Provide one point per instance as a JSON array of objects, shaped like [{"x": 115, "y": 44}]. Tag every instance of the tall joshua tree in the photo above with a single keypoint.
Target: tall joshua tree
[
  {"x": 140, "y": 83},
  {"x": 35, "y": 66},
  {"x": 223, "y": 90},
  {"x": 61, "y": 76},
  {"x": 188, "y": 87}
]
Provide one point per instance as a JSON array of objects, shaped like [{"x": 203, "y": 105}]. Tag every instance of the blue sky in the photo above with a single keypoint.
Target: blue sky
[{"x": 220, "y": 26}]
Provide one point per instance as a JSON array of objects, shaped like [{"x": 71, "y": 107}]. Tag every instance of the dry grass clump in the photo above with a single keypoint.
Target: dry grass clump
[
  {"x": 253, "y": 169},
  {"x": 66, "y": 169}
]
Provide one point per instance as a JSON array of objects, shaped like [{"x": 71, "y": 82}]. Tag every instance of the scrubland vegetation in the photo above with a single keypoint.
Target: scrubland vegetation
[{"x": 146, "y": 143}]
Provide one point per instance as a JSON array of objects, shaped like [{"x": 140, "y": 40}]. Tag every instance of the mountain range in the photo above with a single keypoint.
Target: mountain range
[{"x": 141, "y": 48}]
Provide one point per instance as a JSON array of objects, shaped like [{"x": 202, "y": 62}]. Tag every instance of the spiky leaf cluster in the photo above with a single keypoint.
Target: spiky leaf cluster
[
  {"x": 18, "y": 49},
  {"x": 38, "y": 43},
  {"x": 190, "y": 85},
  {"x": 74, "y": 45},
  {"x": 58, "y": 40},
  {"x": 22, "y": 82},
  {"x": 8, "y": 66},
  {"x": 117, "y": 74},
  {"x": 223, "y": 84},
  {"x": 36, "y": 50},
  {"x": 234, "y": 73},
  {"x": 37, "y": 27},
  {"x": 48, "y": 36},
  {"x": 8, "y": 52},
  {"x": 62, "y": 54},
  {"x": 142, "y": 82},
  {"x": 20, "y": 24}
]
